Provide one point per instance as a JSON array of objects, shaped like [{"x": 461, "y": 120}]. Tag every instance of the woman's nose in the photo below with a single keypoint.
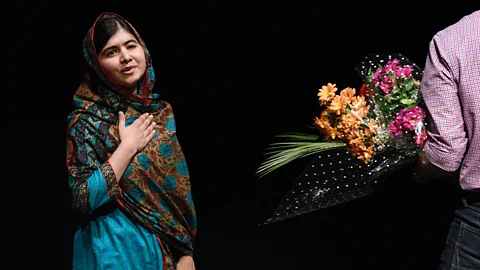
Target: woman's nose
[{"x": 125, "y": 57}]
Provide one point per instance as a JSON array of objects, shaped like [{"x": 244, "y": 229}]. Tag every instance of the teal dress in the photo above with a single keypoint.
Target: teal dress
[{"x": 113, "y": 241}]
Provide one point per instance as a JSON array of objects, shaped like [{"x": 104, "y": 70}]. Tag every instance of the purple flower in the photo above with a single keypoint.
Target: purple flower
[
  {"x": 395, "y": 130},
  {"x": 385, "y": 87},
  {"x": 376, "y": 76},
  {"x": 381, "y": 76},
  {"x": 406, "y": 119}
]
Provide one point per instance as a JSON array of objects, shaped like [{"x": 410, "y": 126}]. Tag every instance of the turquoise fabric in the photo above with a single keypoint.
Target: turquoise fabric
[{"x": 113, "y": 241}]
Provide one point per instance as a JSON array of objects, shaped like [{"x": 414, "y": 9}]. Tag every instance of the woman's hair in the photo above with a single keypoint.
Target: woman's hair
[{"x": 105, "y": 28}]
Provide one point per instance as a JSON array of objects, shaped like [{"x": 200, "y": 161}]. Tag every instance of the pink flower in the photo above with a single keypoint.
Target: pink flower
[
  {"x": 381, "y": 76},
  {"x": 386, "y": 87},
  {"x": 376, "y": 76},
  {"x": 408, "y": 71},
  {"x": 420, "y": 138},
  {"x": 403, "y": 72},
  {"x": 391, "y": 64},
  {"x": 395, "y": 130},
  {"x": 406, "y": 119}
]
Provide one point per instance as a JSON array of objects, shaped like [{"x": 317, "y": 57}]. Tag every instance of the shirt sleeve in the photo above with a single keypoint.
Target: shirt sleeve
[
  {"x": 102, "y": 186},
  {"x": 447, "y": 142}
]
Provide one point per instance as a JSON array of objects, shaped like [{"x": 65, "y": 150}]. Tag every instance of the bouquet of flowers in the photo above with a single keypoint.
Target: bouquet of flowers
[{"x": 381, "y": 126}]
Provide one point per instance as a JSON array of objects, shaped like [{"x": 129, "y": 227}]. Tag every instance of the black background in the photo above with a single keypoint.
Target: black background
[{"x": 236, "y": 74}]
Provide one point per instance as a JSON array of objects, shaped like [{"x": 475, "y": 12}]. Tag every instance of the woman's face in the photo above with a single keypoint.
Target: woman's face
[{"x": 123, "y": 60}]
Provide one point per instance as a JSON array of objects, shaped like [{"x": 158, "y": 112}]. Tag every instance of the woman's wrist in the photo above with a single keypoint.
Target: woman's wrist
[{"x": 127, "y": 150}]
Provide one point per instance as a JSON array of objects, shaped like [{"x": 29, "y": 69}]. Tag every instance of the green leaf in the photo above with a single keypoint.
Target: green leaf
[
  {"x": 407, "y": 86},
  {"x": 284, "y": 152},
  {"x": 298, "y": 136},
  {"x": 407, "y": 101}
]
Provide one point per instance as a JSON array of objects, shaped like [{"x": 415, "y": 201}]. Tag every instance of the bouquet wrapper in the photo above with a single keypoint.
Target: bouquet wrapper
[{"x": 334, "y": 176}]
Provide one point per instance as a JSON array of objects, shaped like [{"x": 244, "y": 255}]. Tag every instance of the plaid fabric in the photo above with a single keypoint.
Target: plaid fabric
[{"x": 451, "y": 89}]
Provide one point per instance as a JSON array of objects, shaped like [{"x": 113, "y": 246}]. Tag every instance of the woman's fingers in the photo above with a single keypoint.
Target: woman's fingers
[
  {"x": 146, "y": 123},
  {"x": 140, "y": 120},
  {"x": 121, "y": 119},
  {"x": 150, "y": 136},
  {"x": 150, "y": 128}
]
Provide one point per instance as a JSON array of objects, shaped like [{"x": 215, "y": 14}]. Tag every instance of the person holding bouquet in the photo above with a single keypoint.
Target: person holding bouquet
[{"x": 451, "y": 92}]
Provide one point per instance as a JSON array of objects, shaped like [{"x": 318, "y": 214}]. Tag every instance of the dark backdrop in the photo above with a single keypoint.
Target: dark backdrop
[{"x": 236, "y": 74}]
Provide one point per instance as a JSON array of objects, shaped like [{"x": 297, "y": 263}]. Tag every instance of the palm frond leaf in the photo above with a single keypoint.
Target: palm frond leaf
[
  {"x": 300, "y": 145},
  {"x": 298, "y": 136}
]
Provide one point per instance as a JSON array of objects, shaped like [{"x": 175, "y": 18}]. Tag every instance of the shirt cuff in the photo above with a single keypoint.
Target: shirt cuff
[
  {"x": 443, "y": 160},
  {"x": 111, "y": 180}
]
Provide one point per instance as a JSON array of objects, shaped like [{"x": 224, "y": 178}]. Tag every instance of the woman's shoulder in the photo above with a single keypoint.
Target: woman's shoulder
[
  {"x": 79, "y": 120},
  {"x": 166, "y": 107},
  {"x": 74, "y": 123},
  {"x": 166, "y": 104}
]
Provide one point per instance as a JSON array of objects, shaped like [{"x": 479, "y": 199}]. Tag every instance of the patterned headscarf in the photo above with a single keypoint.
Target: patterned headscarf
[{"x": 155, "y": 188}]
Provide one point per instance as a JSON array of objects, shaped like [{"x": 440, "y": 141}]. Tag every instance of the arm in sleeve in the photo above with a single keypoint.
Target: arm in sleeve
[
  {"x": 447, "y": 142},
  {"x": 92, "y": 183}
]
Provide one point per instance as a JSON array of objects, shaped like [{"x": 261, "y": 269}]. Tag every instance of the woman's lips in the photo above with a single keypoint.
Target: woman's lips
[{"x": 128, "y": 70}]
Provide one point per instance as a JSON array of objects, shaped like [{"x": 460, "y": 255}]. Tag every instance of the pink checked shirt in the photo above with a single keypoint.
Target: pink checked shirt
[{"x": 451, "y": 89}]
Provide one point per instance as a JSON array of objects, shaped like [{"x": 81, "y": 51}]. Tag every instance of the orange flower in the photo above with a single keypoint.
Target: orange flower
[
  {"x": 358, "y": 101},
  {"x": 353, "y": 127},
  {"x": 349, "y": 118},
  {"x": 349, "y": 93},
  {"x": 373, "y": 126},
  {"x": 366, "y": 153},
  {"x": 325, "y": 128},
  {"x": 338, "y": 105},
  {"x": 324, "y": 115},
  {"x": 355, "y": 143},
  {"x": 362, "y": 111},
  {"x": 368, "y": 133},
  {"x": 327, "y": 93},
  {"x": 349, "y": 122}
]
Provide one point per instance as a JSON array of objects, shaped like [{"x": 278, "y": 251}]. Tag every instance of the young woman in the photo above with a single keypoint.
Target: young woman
[{"x": 127, "y": 171}]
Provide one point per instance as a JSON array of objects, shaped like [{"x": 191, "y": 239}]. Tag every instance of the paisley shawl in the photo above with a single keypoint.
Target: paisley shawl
[{"x": 155, "y": 189}]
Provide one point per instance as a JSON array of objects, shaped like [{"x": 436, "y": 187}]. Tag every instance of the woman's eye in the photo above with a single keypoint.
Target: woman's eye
[{"x": 111, "y": 52}]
